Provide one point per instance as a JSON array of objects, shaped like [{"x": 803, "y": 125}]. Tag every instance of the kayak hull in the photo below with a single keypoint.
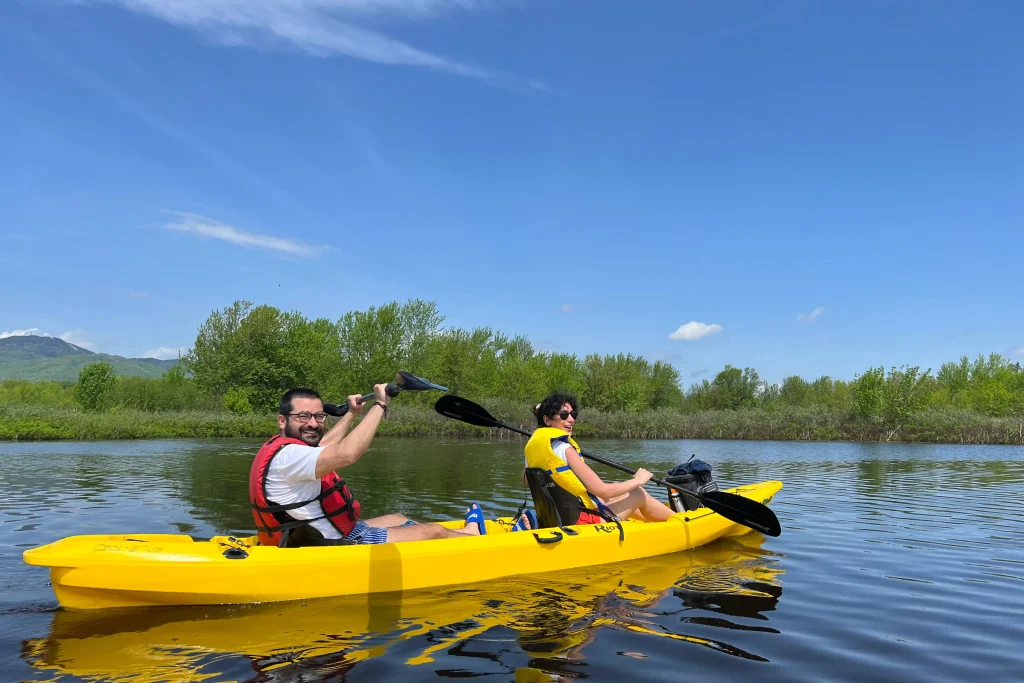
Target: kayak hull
[
  {"x": 548, "y": 615},
  {"x": 97, "y": 572}
]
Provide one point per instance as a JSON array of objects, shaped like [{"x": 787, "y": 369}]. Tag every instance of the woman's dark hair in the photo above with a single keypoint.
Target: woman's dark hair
[
  {"x": 553, "y": 404},
  {"x": 285, "y": 406}
]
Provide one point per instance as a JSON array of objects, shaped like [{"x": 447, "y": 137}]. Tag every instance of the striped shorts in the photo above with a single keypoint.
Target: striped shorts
[{"x": 364, "y": 533}]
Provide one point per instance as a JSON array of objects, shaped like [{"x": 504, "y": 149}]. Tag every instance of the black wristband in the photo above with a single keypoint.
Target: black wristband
[{"x": 382, "y": 405}]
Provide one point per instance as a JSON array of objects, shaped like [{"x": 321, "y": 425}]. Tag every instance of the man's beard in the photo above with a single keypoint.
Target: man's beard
[{"x": 310, "y": 435}]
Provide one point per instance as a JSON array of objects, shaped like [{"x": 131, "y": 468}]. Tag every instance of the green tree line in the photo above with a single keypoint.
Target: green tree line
[
  {"x": 245, "y": 356},
  {"x": 251, "y": 354}
]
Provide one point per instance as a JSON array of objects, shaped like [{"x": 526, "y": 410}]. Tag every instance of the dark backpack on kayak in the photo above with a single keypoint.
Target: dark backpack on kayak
[{"x": 693, "y": 476}]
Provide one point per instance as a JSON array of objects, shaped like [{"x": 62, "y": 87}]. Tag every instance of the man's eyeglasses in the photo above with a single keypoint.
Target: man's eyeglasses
[
  {"x": 564, "y": 415},
  {"x": 305, "y": 415}
]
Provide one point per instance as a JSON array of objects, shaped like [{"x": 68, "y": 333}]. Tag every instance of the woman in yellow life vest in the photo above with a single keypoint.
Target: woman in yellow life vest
[{"x": 551, "y": 448}]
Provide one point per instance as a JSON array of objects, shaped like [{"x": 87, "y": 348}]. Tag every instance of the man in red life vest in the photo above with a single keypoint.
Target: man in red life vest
[{"x": 296, "y": 494}]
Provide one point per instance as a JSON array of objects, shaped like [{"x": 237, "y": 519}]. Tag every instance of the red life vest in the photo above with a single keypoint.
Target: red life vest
[{"x": 337, "y": 504}]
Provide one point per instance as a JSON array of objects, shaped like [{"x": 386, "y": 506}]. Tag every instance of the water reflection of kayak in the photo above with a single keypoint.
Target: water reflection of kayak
[
  {"x": 551, "y": 616},
  {"x": 89, "y": 572}
]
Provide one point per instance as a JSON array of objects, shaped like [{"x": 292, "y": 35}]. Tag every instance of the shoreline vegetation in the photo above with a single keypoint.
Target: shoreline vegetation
[
  {"x": 244, "y": 357},
  {"x": 784, "y": 424},
  {"x": 23, "y": 423}
]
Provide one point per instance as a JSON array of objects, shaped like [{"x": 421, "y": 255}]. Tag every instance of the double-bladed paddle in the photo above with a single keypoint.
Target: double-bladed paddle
[
  {"x": 733, "y": 507},
  {"x": 403, "y": 382}
]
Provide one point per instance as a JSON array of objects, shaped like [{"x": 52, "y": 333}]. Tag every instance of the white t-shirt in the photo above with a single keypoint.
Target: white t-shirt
[
  {"x": 292, "y": 478},
  {"x": 560, "y": 446}
]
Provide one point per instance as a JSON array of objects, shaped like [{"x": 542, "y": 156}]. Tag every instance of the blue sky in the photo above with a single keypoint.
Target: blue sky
[{"x": 802, "y": 187}]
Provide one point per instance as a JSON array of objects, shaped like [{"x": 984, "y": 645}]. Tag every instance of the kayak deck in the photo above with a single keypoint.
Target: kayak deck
[{"x": 104, "y": 571}]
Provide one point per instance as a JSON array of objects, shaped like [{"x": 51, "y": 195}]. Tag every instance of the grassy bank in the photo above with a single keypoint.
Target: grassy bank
[{"x": 33, "y": 423}]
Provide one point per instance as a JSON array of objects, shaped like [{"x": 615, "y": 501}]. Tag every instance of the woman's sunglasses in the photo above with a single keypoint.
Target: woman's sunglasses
[{"x": 564, "y": 415}]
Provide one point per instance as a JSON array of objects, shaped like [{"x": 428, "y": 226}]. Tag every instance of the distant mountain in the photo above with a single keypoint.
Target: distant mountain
[
  {"x": 31, "y": 347},
  {"x": 48, "y": 358}
]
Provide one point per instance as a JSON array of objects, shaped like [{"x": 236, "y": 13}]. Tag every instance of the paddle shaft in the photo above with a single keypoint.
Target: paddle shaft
[{"x": 340, "y": 410}]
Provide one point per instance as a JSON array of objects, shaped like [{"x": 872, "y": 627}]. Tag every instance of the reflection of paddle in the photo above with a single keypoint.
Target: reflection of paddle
[
  {"x": 733, "y": 507},
  {"x": 403, "y": 382}
]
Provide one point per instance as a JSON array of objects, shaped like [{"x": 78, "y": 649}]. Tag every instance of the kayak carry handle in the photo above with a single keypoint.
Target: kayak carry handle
[{"x": 555, "y": 537}]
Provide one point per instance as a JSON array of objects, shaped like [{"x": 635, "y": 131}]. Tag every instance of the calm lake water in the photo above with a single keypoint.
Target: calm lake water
[{"x": 896, "y": 562}]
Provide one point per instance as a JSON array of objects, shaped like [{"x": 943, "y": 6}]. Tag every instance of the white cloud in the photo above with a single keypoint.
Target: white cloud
[
  {"x": 76, "y": 337},
  {"x": 32, "y": 331},
  {"x": 695, "y": 330},
  {"x": 165, "y": 352},
  {"x": 208, "y": 227},
  {"x": 812, "y": 316},
  {"x": 566, "y": 308},
  {"x": 320, "y": 27}
]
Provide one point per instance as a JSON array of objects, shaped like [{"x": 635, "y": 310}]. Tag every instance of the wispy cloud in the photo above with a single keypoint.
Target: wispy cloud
[
  {"x": 810, "y": 317},
  {"x": 76, "y": 337},
  {"x": 1018, "y": 352},
  {"x": 320, "y": 27},
  {"x": 203, "y": 226},
  {"x": 32, "y": 331},
  {"x": 165, "y": 352},
  {"x": 697, "y": 373},
  {"x": 695, "y": 330},
  {"x": 138, "y": 294},
  {"x": 565, "y": 308}
]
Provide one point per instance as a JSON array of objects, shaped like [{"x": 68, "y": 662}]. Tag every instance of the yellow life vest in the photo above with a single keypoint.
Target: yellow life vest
[{"x": 540, "y": 454}]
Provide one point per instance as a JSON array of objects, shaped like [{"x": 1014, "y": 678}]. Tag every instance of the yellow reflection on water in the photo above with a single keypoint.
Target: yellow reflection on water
[{"x": 554, "y": 616}]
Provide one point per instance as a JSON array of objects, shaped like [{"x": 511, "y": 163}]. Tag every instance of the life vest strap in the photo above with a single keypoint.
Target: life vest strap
[
  {"x": 563, "y": 468},
  {"x": 338, "y": 486},
  {"x": 602, "y": 509},
  {"x": 283, "y": 526}
]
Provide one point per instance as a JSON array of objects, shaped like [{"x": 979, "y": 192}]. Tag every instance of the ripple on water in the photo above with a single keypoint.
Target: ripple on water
[{"x": 895, "y": 563}]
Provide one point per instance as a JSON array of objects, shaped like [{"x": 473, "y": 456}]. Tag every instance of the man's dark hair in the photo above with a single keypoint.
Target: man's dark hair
[
  {"x": 286, "y": 401},
  {"x": 553, "y": 404}
]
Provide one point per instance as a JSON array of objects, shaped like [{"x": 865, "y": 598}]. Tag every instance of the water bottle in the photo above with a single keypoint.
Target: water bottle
[{"x": 675, "y": 501}]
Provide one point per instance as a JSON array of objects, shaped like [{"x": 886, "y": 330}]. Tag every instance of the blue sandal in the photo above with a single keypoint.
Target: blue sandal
[
  {"x": 475, "y": 514},
  {"x": 531, "y": 517}
]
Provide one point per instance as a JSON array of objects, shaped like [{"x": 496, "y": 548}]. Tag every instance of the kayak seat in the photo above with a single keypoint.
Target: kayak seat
[{"x": 555, "y": 506}]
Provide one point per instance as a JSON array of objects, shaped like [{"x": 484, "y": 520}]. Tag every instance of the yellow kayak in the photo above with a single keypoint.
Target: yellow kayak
[
  {"x": 94, "y": 572},
  {"x": 548, "y": 614}
]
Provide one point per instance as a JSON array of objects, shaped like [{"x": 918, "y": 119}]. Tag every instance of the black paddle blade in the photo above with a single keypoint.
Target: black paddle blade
[
  {"x": 464, "y": 410},
  {"x": 413, "y": 383},
  {"x": 743, "y": 511}
]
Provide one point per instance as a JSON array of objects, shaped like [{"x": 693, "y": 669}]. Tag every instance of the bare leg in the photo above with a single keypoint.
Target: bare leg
[
  {"x": 424, "y": 532},
  {"x": 386, "y": 521},
  {"x": 417, "y": 532},
  {"x": 640, "y": 504}
]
